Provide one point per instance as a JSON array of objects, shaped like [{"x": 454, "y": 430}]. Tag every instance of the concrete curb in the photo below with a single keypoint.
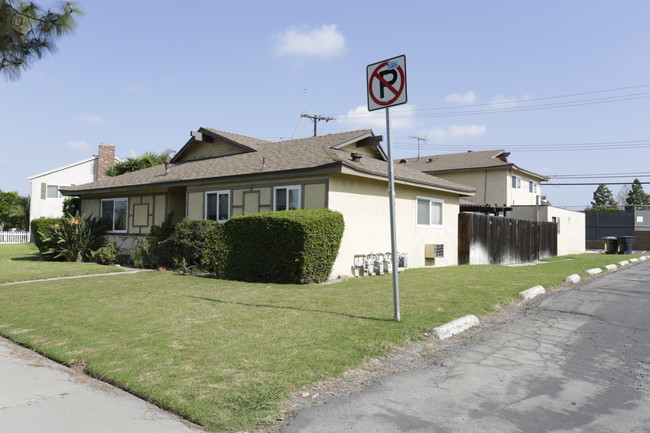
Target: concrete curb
[
  {"x": 594, "y": 271},
  {"x": 643, "y": 258},
  {"x": 532, "y": 292},
  {"x": 455, "y": 327},
  {"x": 634, "y": 260},
  {"x": 610, "y": 267},
  {"x": 573, "y": 279},
  {"x": 624, "y": 263}
]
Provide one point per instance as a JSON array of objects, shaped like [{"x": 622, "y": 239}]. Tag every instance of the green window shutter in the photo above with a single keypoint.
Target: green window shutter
[{"x": 43, "y": 191}]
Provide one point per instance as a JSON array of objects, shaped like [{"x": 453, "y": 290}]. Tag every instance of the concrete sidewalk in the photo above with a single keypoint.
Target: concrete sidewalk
[{"x": 39, "y": 395}]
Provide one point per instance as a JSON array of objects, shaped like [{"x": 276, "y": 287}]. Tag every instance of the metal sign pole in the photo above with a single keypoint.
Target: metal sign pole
[{"x": 391, "y": 205}]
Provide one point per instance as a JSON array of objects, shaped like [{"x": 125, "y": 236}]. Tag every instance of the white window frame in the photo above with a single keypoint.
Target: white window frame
[
  {"x": 288, "y": 188},
  {"x": 431, "y": 200},
  {"x": 101, "y": 213},
  {"x": 516, "y": 182},
  {"x": 47, "y": 191},
  {"x": 218, "y": 193},
  {"x": 532, "y": 186}
]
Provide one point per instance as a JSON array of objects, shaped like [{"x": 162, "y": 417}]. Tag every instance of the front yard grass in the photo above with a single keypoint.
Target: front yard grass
[
  {"x": 21, "y": 262},
  {"x": 225, "y": 354}
]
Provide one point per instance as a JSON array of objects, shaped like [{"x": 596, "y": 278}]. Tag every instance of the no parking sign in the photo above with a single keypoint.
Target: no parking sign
[{"x": 386, "y": 82}]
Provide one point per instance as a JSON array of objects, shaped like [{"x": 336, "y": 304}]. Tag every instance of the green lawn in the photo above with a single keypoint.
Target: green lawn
[
  {"x": 21, "y": 262},
  {"x": 226, "y": 354}
]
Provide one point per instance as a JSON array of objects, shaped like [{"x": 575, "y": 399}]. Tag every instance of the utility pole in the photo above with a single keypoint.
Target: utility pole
[
  {"x": 316, "y": 119},
  {"x": 418, "y": 139}
]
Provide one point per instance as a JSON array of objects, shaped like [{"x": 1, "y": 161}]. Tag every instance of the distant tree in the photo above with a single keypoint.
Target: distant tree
[
  {"x": 19, "y": 213},
  {"x": 7, "y": 200},
  {"x": 622, "y": 194},
  {"x": 636, "y": 196},
  {"x": 27, "y": 32},
  {"x": 603, "y": 199},
  {"x": 134, "y": 163}
]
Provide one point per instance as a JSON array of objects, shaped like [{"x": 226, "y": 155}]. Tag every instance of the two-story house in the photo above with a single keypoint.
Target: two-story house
[{"x": 47, "y": 201}]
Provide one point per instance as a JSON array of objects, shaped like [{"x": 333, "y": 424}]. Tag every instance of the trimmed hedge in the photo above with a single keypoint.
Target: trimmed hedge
[
  {"x": 40, "y": 226},
  {"x": 215, "y": 252},
  {"x": 294, "y": 246}
]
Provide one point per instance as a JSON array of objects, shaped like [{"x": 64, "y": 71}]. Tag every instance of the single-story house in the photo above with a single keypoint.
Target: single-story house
[
  {"x": 46, "y": 200},
  {"x": 219, "y": 175}
]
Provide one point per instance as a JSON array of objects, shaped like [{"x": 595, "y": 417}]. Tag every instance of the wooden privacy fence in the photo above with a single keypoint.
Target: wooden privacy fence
[
  {"x": 484, "y": 239},
  {"x": 16, "y": 237}
]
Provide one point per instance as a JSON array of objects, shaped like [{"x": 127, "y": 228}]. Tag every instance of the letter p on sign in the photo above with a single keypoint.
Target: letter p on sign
[{"x": 386, "y": 82}]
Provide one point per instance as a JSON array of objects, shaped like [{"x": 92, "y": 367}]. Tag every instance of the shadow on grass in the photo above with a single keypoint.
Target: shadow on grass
[
  {"x": 279, "y": 307},
  {"x": 32, "y": 258}
]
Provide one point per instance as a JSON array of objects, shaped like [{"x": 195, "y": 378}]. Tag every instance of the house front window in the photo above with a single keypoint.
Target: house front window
[
  {"x": 516, "y": 182},
  {"x": 217, "y": 205},
  {"x": 429, "y": 212},
  {"x": 53, "y": 191},
  {"x": 286, "y": 197},
  {"x": 532, "y": 187},
  {"x": 114, "y": 213}
]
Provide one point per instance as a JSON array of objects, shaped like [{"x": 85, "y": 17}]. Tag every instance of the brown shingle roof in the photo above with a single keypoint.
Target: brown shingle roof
[
  {"x": 270, "y": 157},
  {"x": 472, "y": 160}
]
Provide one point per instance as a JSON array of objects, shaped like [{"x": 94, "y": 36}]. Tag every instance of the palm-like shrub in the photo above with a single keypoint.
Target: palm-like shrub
[{"x": 72, "y": 239}]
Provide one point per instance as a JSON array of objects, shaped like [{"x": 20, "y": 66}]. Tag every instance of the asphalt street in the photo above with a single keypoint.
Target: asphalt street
[{"x": 573, "y": 361}]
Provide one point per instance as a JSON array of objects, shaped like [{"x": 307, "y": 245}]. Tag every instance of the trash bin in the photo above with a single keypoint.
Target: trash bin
[
  {"x": 625, "y": 244},
  {"x": 611, "y": 244}
]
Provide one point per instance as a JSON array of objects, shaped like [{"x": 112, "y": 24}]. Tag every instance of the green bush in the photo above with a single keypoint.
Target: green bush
[
  {"x": 72, "y": 239},
  {"x": 189, "y": 241},
  {"x": 110, "y": 255},
  {"x": 294, "y": 246},
  {"x": 215, "y": 252},
  {"x": 39, "y": 226},
  {"x": 158, "y": 249}
]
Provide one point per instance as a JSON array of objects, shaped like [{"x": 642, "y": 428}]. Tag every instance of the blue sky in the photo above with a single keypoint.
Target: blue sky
[{"x": 543, "y": 80}]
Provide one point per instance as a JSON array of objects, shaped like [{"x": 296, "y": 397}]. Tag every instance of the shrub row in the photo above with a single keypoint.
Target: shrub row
[{"x": 295, "y": 246}]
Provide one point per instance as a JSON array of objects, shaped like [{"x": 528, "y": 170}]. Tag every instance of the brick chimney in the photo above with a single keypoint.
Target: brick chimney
[{"x": 105, "y": 157}]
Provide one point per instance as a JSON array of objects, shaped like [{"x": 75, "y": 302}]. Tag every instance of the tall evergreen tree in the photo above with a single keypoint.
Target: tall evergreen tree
[
  {"x": 603, "y": 199},
  {"x": 27, "y": 33},
  {"x": 636, "y": 196}
]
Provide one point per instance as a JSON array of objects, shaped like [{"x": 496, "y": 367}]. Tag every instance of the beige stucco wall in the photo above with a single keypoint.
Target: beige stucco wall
[
  {"x": 364, "y": 204},
  {"x": 200, "y": 150},
  {"x": 572, "y": 230},
  {"x": 491, "y": 185},
  {"x": 145, "y": 210},
  {"x": 522, "y": 196},
  {"x": 247, "y": 197}
]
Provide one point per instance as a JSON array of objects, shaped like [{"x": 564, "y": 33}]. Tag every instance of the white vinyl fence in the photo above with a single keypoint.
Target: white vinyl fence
[{"x": 14, "y": 237}]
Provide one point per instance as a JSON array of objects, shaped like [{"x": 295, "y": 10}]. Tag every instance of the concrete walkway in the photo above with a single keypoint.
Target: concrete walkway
[{"x": 39, "y": 395}]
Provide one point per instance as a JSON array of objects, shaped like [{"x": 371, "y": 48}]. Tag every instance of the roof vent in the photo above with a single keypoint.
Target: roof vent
[
  {"x": 356, "y": 157},
  {"x": 167, "y": 167},
  {"x": 430, "y": 160},
  {"x": 402, "y": 161}
]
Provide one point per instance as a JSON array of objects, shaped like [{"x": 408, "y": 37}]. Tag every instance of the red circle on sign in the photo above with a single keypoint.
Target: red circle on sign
[{"x": 396, "y": 92}]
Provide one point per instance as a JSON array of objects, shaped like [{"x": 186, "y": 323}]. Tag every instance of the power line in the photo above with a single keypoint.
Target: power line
[
  {"x": 545, "y": 147},
  {"x": 507, "y": 106}
]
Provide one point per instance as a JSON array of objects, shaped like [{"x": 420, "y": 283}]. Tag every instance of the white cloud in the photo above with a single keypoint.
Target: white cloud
[
  {"x": 360, "y": 118},
  {"x": 468, "y": 98},
  {"x": 325, "y": 41},
  {"x": 455, "y": 133},
  {"x": 78, "y": 145},
  {"x": 93, "y": 119}
]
